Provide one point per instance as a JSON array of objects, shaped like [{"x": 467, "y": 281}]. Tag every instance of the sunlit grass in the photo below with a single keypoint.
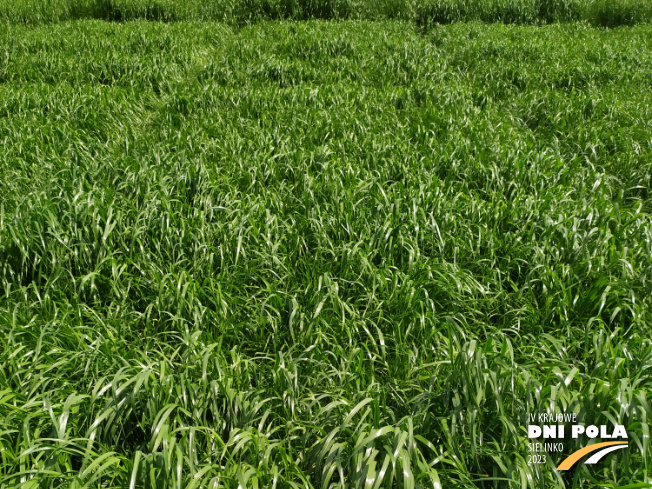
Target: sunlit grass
[{"x": 320, "y": 254}]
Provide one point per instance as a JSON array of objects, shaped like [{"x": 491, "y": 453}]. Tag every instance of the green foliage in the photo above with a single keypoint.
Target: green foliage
[
  {"x": 506, "y": 11},
  {"x": 321, "y": 254},
  {"x": 251, "y": 10},
  {"x": 447, "y": 11},
  {"x": 608, "y": 13},
  {"x": 627, "y": 12},
  {"x": 561, "y": 10}
]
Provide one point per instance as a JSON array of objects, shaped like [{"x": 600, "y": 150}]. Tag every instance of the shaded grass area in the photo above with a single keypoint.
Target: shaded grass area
[
  {"x": 606, "y": 13},
  {"x": 321, "y": 254}
]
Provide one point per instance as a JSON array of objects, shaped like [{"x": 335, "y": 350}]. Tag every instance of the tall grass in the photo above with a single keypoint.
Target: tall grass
[
  {"x": 612, "y": 14},
  {"x": 607, "y": 13},
  {"x": 321, "y": 254}
]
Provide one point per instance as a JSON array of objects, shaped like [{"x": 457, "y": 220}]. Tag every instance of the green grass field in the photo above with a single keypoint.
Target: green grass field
[
  {"x": 606, "y": 13},
  {"x": 321, "y": 254}
]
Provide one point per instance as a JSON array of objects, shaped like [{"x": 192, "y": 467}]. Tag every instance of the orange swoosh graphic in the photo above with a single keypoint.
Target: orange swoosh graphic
[{"x": 575, "y": 456}]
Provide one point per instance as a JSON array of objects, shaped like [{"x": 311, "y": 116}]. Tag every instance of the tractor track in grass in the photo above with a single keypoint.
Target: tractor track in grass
[{"x": 158, "y": 104}]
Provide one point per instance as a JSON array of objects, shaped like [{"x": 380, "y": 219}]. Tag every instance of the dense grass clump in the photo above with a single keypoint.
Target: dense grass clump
[
  {"x": 506, "y": 11},
  {"x": 321, "y": 254},
  {"x": 606, "y": 13},
  {"x": 448, "y": 11},
  {"x": 611, "y": 14}
]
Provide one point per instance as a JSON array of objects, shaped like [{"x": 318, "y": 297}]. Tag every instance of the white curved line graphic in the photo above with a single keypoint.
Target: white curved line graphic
[{"x": 594, "y": 459}]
